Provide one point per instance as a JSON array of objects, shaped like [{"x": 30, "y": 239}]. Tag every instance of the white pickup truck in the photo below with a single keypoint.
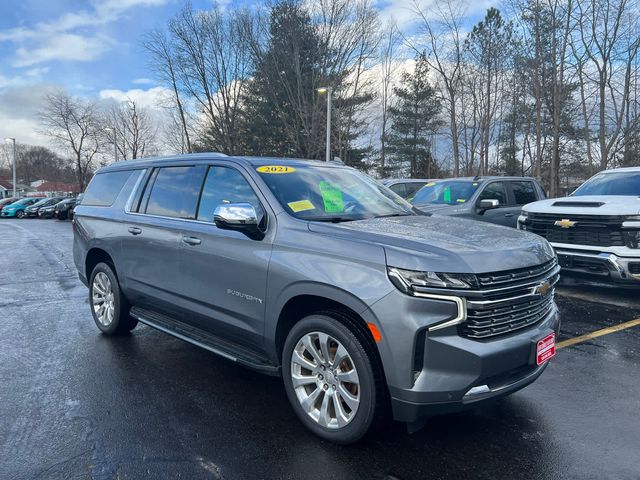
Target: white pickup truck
[{"x": 596, "y": 230}]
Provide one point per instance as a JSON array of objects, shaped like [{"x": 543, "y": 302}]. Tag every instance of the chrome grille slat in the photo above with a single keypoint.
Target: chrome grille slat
[{"x": 494, "y": 311}]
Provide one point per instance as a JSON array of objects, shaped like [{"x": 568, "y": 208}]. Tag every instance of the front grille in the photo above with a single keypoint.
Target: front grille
[
  {"x": 508, "y": 277},
  {"x": 591, "y": 230},
  {"x": 634, "y": 268},
  {"x": 510, "y": 300},
  {"x": 497, "y": 318}
]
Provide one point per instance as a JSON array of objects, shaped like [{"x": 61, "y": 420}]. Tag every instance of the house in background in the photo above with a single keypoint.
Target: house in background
[{"x": 51, "y": 189}]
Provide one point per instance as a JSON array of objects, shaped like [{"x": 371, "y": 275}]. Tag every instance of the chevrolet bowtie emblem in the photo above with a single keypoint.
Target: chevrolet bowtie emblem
[
  {"x": 564, "y": 223},
  {"x": 542, "y": 289}
]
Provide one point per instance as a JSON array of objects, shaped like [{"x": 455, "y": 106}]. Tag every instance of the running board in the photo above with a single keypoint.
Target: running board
[{"x": 196, "y": 336}]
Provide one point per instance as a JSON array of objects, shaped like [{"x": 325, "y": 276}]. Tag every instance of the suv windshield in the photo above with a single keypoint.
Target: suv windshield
[
  {"x": 331, "y": 194},
  {"x": 611, "y": 184},
  {"x": 446, "y": 192}
]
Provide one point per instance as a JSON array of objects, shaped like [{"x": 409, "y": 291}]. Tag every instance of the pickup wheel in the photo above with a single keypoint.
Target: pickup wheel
[
  {"x": 109, "y": 307},
  {"x": 332, "y": 378}
]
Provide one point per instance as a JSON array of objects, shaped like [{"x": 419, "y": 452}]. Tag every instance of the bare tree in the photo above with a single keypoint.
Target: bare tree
[
  {"x": 73, "y": 124},
  {"x": 164, "y": 63},
  {"x": 213, "y": 62},
  {"x": 442, "y": 24},
  {"x": 134, "y": 130},
  {"x": 349, "y": 35},
  {"x": 609, "y": 35},
  {"x": 388, "y": 48}
]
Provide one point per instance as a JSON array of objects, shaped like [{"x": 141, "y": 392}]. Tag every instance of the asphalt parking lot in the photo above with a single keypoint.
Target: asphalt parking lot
[{"x": 75, "y": 404}]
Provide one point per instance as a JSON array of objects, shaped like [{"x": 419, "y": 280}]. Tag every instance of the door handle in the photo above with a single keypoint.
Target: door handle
[
  {"x": 135, "y": 230},
  {"x": 508, "y": 214},
  {"x": 191, "y": 240}
]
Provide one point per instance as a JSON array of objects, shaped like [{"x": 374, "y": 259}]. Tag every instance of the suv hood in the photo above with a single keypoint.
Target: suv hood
[
  {"x": 588, "y": 205},
  {"x": 445, "y": 244}
]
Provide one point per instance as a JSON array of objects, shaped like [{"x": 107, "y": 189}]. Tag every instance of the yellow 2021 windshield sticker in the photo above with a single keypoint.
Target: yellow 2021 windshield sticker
[
  {"x": 301, "y": 206},
  {"x": 275, "y": 169}
]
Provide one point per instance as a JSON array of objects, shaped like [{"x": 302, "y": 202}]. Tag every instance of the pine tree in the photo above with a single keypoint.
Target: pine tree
[
  {"x": 415, "y": 118},
  {"x": 282, "y": 109}
]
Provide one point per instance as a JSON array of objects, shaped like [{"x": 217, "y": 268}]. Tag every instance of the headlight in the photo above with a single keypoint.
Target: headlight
[
  {"x": 405, "y": 280},
  {"x": 632, "y": 218},
  {"x": 524, "y": 213}
]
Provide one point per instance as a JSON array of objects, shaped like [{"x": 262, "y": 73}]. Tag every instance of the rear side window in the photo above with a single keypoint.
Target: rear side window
[
  {"x": 104, "y": 188},
  {"x": 224, "y": 185},
  {"x": 524, "y": 192},
  {"x": 400, "y": 189},
  {"x": 175, "y": 192},
  {"x": 494, "y": 191}
]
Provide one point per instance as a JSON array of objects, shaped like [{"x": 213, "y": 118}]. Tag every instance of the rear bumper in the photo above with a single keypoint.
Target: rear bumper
[{"x": 598, "y": 265}]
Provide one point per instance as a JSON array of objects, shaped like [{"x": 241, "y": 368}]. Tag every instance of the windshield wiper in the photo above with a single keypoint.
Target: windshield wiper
[
  {"x": 333, "y": 219},
  {"x": 394, "y": 215}
]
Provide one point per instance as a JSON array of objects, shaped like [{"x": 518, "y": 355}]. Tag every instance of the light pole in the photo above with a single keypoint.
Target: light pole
[
  {"x": 13, "y": 140},
  {"x": 327, "y": 90},
  {"x": 115, "y": 144}
]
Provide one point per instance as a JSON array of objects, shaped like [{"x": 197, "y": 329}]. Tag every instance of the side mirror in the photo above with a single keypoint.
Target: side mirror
[
  {"x": 241, "y": 217},
  {"x": 488, "y": 204}
]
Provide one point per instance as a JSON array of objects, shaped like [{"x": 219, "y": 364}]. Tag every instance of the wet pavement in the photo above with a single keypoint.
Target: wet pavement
[{"x": 75, "y": 404}]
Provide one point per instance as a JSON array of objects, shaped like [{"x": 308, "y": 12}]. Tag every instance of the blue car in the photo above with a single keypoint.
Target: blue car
[{"x": 16, "y": 209}]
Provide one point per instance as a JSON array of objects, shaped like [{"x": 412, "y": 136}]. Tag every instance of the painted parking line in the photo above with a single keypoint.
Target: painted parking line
[{"x": 598, "y": 333}]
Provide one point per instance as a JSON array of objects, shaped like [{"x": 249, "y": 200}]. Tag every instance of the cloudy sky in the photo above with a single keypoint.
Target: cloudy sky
[{"x": 91, "y": 48}]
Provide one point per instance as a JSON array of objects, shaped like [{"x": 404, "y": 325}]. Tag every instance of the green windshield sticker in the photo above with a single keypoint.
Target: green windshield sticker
[
  {"x": 460, "y": 200},
  {"x": 332, "y": 197},
  {"x": 447, "y": 195}
]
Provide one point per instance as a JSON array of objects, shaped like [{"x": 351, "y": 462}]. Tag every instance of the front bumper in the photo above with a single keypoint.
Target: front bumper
[
  {"x": 7, "y": 214},
  {"x": 455, "y": 372},
  {"x": 598, "y": 265},
  {"x": 461, "y": 373}
]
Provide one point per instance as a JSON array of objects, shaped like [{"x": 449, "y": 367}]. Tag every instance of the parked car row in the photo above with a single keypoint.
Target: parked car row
[{"x": 38, "y": 207}]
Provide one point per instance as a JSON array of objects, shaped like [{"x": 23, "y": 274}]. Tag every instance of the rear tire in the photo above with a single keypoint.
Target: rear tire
[
  {"x": 109, "y": 307},
  {"x": 332, "y": 378}
]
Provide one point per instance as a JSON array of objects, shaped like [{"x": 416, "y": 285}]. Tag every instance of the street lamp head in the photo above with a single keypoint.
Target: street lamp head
[
  {"x": 9, "y": 139},
  {"x": 323, "y": 90}
]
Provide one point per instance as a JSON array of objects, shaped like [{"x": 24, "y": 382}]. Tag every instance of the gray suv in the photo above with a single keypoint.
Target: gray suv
[
  {"x": 315, "y": 272},
  {"x": 496, "y": 200}
]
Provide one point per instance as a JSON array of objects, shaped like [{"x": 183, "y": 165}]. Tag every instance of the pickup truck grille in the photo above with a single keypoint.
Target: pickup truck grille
[
  {"x": 510, "y": 301},
  {"x": 591, "y": 230}
]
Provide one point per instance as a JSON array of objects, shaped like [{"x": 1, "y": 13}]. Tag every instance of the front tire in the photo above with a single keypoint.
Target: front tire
[
  {"x": 19, "y": 214},
  {"x": 109, "y": 307},
  {"x": 332, "y": 377}
]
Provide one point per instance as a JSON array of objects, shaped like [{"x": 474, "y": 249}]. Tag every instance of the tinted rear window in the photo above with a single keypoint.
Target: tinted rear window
[
  {"x": 105, "y": 187},
  {"x": 524, "y": 192},
  {"x": 175, "y": 192}
]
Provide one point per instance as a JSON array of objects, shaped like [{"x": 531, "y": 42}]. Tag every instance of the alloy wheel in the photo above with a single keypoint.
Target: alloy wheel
[
  {"x": 102, "y": 299},
  {"x": 325, "y": 380}
]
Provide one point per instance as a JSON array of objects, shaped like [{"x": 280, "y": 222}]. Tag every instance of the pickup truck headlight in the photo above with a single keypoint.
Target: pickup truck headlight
[
  {"x": 631, "y": 227},
  {"x": 405, "y": 280},
  {"x": 521, "y": 224}
]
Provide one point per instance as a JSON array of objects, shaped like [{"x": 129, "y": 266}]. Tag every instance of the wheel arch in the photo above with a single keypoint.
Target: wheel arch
[
  {"x": 94, "y": 256},
  {"x": 325, "y": 299}
]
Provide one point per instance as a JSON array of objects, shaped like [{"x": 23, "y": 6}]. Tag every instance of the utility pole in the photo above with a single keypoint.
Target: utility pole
[
  {"x": 13, "y": 140},
  {"x": 327, "y": 90}
]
